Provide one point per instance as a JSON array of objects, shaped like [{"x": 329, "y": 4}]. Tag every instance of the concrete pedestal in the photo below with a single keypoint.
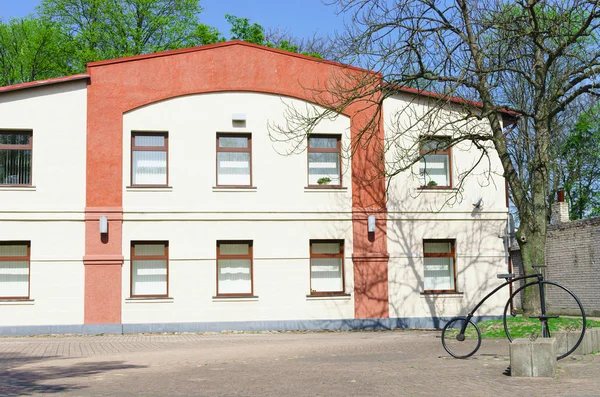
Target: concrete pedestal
[{"x": 533, "y": 358}]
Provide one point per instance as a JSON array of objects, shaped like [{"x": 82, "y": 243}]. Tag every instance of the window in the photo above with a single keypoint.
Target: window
[
  {"x": 149, "y": 159},
  {"x": 440, "y": 273},
  {"x": 15, "y": 158},
  {"x": 14, "y": 270},
  {"x": 234, "y": 268},
  {"x": 234, "y": 160},
  {"x": 324, "y": 160},
  {"x": 149, "y": 269},
  {"x": 326, "y": 267},
  {"x": 436, "y": 163}
]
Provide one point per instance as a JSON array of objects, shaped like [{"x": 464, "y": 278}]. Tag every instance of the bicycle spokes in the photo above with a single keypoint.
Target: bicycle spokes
[{"x": 461, "y": 337}]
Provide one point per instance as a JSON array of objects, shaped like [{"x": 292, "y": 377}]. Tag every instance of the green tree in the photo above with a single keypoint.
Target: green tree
[
  {"x": 580, "y": 155},
  {"x": 105, "y": 29},
  {"x": 33, "y": 49},
  {"x": 242, "y": 29}
]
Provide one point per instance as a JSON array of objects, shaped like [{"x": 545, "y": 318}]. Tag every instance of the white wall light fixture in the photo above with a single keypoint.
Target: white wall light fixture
[
  {"x": 103, "y": 224},
  {"x": 371, "y": 224},
  {"x": 238, "y": 117}
]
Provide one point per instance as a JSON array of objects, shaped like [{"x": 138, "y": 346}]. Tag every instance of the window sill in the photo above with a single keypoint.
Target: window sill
[
  {"x": 148, "y": 188},
  {"x": 341, "y": 297},
  {"x": 458, "y": 295},
  {"x": 248, "y": 189},
  {"x": 149, "y": 300},
  {"x": 16, "y": 188},
  {"x": 16, "y": 302},
  {"x": 313, "y": 189},
  {"x": 235, "y": 298},
  {"x": 436, "y": 189}
]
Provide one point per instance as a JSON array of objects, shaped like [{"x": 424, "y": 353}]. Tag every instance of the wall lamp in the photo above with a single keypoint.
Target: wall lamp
[
  {"x": 103, "y": 224},
  {"x": 371, "y": 224},
  {"x": 238, "y": 117}
]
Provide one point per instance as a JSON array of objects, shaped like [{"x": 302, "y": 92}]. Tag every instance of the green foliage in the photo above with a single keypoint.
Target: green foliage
[
  {"x": 523, "y": 327},
  {"x": 324, "y": 180},
  {"x": 33, "y": 49},
  {"x": 580, "y": 152},
  {"x": 241, "y": 29},
  {"x": 105, "y": 29}
]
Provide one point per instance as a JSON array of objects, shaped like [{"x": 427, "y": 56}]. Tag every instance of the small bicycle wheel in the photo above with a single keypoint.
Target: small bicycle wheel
[
  {"x": 564, "y": 318},
  {"x": 461, "y": 345}
]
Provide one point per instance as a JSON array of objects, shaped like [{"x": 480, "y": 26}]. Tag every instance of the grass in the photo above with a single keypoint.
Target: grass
[{"x": 522, "y": 327}]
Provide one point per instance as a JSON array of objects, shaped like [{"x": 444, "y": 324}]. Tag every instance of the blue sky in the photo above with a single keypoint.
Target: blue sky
[{"x": 301, "y": 18}]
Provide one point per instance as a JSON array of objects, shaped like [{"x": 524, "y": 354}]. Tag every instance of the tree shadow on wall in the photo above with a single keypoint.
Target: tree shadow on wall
[{"x": 17, "y": 381}]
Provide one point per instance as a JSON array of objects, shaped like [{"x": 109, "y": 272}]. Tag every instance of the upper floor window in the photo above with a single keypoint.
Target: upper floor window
[
  {"x": 436, "y": 163},
  {"x": 326, "y": 267},
  {"x": 14, "y": 270},
  {"x": 324, "y": 160},
  {"x": 15, "y": 158},
  {"x": 150, "y": 269},
  {"x": 234, "y": 160},
  {"x": 149, "y": 159},
  {"x": 234, "y": 268},
  {"x": 439, "y": 266}
]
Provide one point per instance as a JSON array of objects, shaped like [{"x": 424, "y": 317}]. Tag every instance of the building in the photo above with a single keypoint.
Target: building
[{"x": 146, "y": 195}]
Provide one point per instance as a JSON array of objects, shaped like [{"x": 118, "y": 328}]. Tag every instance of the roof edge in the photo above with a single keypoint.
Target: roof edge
[
  {"x": 41, "y": 83},
  {"x": 220, "y": 45},
  {"x": 504, "y": 110}
]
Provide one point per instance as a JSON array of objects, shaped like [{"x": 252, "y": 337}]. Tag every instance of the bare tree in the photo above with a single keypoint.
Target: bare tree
[{"x": 542, "y": 56}]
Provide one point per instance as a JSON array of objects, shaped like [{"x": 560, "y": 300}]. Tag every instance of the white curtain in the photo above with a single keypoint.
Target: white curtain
[
  {"x": 149, "y": 277},
  {"x": 439, "y": 272},
  {"x": 234, "y": 276},
  {"x": 149, "y": 168},
  {"x": 434, "y": 167},
  {"x": 234, "y": 168},
  {"x": 14, "y": 275},
  {"x": 321, "y": 165},
  {"x": 326, "y": 274}
]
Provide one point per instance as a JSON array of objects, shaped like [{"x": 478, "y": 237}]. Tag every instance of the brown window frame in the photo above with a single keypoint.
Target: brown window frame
[
  {"x": 164, "y": 148},
  {"x": 337, "y": 150},
  {"x": 235, "y": 150},
  {"x": 19, "y": 259},
  {"x": 448, "y": 152},
  {"x": 328, "y": 256},
  {"x": 451, "y": 254},
  {"x": 29, "y": 146},
  {"x": 250, "y": 256},
  {"x": 146, "y": 258}
]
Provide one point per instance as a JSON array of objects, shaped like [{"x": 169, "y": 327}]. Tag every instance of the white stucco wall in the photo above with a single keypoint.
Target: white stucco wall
[
  {"x": 280, "y": 215},
  {"x": 49, "y": 214},
  {"x": 416, "y": 214}
]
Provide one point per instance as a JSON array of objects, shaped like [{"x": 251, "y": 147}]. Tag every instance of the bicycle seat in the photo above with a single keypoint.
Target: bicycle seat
[{"x": 507, "y": 275}]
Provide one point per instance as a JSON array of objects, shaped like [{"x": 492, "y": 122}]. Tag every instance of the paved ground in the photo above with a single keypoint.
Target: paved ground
[{"x": 391, "y": 363}]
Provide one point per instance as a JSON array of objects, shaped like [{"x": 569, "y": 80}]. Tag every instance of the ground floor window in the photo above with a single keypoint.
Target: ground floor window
[
  {"x": 326, "y": 267},
  {"x": 150, "y": 269},
  {"x": 439, "y": 266},
  {"x": 14, "y": 270},
  {"x": 234, "y": 268}
]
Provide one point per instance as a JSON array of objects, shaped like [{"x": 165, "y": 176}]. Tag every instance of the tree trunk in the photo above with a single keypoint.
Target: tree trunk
[{"x": 532, "y": 231}]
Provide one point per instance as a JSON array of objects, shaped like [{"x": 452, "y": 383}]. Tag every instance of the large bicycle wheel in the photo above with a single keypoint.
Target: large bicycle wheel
[
  {"x": 564, "y": 318},
  {"x": 461, "y": 345}
]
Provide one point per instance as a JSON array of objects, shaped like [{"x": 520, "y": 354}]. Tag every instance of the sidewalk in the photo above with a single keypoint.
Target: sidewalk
[{"x": 390, "y": 363}]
